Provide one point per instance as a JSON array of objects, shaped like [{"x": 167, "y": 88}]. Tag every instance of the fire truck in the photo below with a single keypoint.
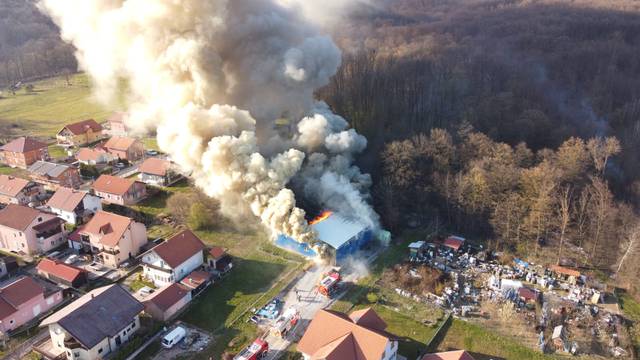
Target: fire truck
[
  {"x": 257, "y": 350},
  {"x": 285, "y": 322},
  {"x": 329, "y": 283}
]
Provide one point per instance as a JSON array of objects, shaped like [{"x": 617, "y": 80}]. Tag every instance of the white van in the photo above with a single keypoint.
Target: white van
[{"x": 173, "y": 337}]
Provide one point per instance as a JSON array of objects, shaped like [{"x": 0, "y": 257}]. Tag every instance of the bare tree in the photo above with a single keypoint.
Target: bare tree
[{"x": 564, "y": 215}]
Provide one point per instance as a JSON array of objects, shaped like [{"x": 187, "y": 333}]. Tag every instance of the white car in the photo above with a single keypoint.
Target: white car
[
  {"x": 71, "y": 259},
  {"x": 120, "y": 165},
  {"x": 152, "y": 152}
]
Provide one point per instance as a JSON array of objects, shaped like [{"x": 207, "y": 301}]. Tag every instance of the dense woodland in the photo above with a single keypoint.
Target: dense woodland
[{"x": 515, "y": 121}]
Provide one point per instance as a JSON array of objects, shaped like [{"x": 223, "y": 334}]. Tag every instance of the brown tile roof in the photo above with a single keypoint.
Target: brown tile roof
[
  {"x": 59, "y": 269},
  {"x": 81, "y": 127},
  {"x": 195, "y": 279},
  {"x": 23, "y": 144},
  {"x": 66, "y": 199},
  {"x": 564, "y": 271},
  {"x": 333, "y": 335},
  {"x": 179, "y": 248},
  {"x": 11, "y": 186},
  {"x": 48, "y": 224},
  {"x": 449, "y": 355},
  {"x": 101, "y": 313},
  {"x": 113, "y": 184},
  {"x": 88, "y": 154},
  {"x": 217, "y": 252},
  {"x": 155, "y": 166},
  {"x": 17, "y": 293},
  {"x": 168, "y": 296},
  {"x": 368, "y": 318},
  {"x": 18, "y": 217},
  {"x": 110, "y": 227},
  {"x": 119, "y": 143}
]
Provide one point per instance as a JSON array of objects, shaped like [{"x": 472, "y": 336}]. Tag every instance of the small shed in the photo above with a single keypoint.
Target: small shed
[
  {"x": 570, "y": 274},
  {"x": 197, "y": 281},
  {"x": 528, "y": 295},
  {"x": 416, "y": 248},
  {"x": 168, "y": 301},
  {"x": 454, "y": 242},
  {"x": 558, "y": 338},
  {"x": 61, "y": 273}
]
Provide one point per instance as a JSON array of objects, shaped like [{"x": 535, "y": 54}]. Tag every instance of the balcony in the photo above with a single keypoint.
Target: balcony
[
  {"x": 110, "y": 252},
  {"x": 72, "y": 344},
  {"x": 151, "y": 266}
]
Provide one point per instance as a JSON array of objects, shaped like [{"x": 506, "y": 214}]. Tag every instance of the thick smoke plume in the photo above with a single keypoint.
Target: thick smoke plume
[{"x": 211, "y": 77}]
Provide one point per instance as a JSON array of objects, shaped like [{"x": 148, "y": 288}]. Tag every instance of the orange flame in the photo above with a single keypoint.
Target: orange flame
[{"x": 323, "y": 216}]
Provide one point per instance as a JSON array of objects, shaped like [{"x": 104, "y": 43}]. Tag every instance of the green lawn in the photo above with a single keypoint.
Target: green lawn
[
  {"x": 52, "y": 104},
  {"x": 631, "y": 309},
  {"x": 57, "y": 152},
  {"x": 156, "y": 204}
]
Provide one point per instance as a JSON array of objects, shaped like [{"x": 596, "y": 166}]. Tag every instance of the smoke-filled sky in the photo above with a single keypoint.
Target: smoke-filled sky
[{"x": 211, "y": 77}]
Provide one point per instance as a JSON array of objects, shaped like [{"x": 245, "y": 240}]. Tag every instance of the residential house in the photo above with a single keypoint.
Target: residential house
[
  {"x": 97, "y": 324},
  {"x": 23, "y": 152},
  {"x": 159, "y": 172},
  {"x": 112, "y": 239},
  {"x": 448, "y": 355},
  {"x": 218, "y": 260},
  {"x": 358, "y": 336},
  {"x": 173, "y": 259},
  {"x": 29, "y": 231},
  {"x": 79, "y": 133},
  {"x": 197, "y": 281},
  {"x": 61, "y": 273},
  {"x": 167, "y": 302},
  {"x": 23, "y": 300},
  {"x": 94, "y": 156},
  {"x": 74, "y": 206},
  {"x": 8, "y": 264},
  {"x": 125, "y": 148},
  {"x": 14, "y": 190},
  {"x": 117, "y": 125},
  {"x": 54, "y": 175},
  {"x": 117, "y": 190}
]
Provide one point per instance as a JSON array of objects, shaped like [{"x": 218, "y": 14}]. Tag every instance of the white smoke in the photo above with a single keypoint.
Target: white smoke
[{"x": 211, "y": 77}]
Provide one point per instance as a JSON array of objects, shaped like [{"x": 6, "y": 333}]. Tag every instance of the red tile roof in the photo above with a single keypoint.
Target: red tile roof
[
  {"x": 449, "y": 355},
  {"x": 217, "y": 252},
  {"x": 12, "y": 186},
  {"x": 17, "y": 293},
  {"x": 168, "y": 296},
  {"x": 454, "y": 242},
  {"x": 113, "y": 184},
  {"x": 195, "y": 279},
  {"x": 66, "y": 199},
  {"x": 179, "y": 248},
  {"x": 564, "y": 271},
  {"x": 18, "y": 217},
  {"x": 333, "y": 335},
  {"x": 59, "y": 269},
  {"x": 155, "y": 166},
  {"x": 23, "y": 144},
  {"x": 83, "y": 126},
  {"x": 88, "y": 154},
  {"x": 119, "y": 143},
  {"x": 109, "y": 227}
]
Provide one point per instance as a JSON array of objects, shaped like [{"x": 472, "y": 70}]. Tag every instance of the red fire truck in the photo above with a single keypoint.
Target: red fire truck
[
  {"x": 257, "y": 350},
  {"x": 329, "y": 283}
]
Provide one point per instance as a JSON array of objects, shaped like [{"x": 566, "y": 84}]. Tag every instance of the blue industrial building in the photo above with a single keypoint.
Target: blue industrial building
[{"x": 344, "y": 237}]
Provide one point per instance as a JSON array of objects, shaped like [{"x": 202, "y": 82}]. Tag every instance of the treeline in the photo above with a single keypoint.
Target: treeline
[
  {"x": 30, "y": 45},
  {"x": 538, "y": 203}
]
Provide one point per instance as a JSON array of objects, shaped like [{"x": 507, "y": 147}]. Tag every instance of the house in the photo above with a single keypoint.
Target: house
[
  {"x": 94, "y": 156},
  {"x": 117, "y": 124},
  {"x": 173, "y": 259},
  {"x": 23, "y": 152},
  {"x": 8, "y": 264},
  {"x": 74, "y": 206},
  {"x": 219, "y": 260},
  {"x": 159, "y": 172},
  {"x": 97, "y": 324},
  {"x": 344, "y": 237},
  {"x": 79, "y": 133},
  {"x": 23, "y": 300},
  {"x": 29, "y": 231},
  {"x": 125, "y": 148},
  {"x": 358, "y": 336},
  {"x": 196, "y": 281},
  {"x": 61, "y": 273},
  {"x": 117, "y": 190},
  {"x": 14, "y": 190},
  {"x": 112, "y": 239},
  {"x": 449, "y": 355},
  {"x": 168, "y": 301},
  {"x": 54, "y": 175}
]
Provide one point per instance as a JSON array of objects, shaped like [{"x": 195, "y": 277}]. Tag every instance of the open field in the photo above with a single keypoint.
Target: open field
[{"x": 52, "y": 103}]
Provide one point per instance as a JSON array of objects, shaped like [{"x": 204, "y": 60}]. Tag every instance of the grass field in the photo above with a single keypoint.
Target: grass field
[{"x": 52, "y": 104}]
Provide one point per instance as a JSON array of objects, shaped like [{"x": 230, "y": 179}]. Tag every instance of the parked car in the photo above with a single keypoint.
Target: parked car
[
  {"x": 152, "y": 152},
  {"x": 120, "y": 165},
  {"x": 95, "y": 266},
  {"x": 146, "y": 291},
  {"x": 71, "y": 259}
]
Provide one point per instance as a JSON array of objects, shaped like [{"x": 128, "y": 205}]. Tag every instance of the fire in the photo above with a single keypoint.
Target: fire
[{"x": 323, "y": 216}]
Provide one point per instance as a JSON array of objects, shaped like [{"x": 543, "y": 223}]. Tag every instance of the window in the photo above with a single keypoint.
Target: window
[
  {"x": 75, "y": 354},
  {"x": 133, "y": 324},
  {"x": 100, "y": 351},
  {"x": 39, "y": 218},
  {"x": 11, "y": 322}
]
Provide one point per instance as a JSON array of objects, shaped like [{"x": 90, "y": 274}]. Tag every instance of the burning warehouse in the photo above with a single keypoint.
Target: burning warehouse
[{"x": 343, "y": 238}]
